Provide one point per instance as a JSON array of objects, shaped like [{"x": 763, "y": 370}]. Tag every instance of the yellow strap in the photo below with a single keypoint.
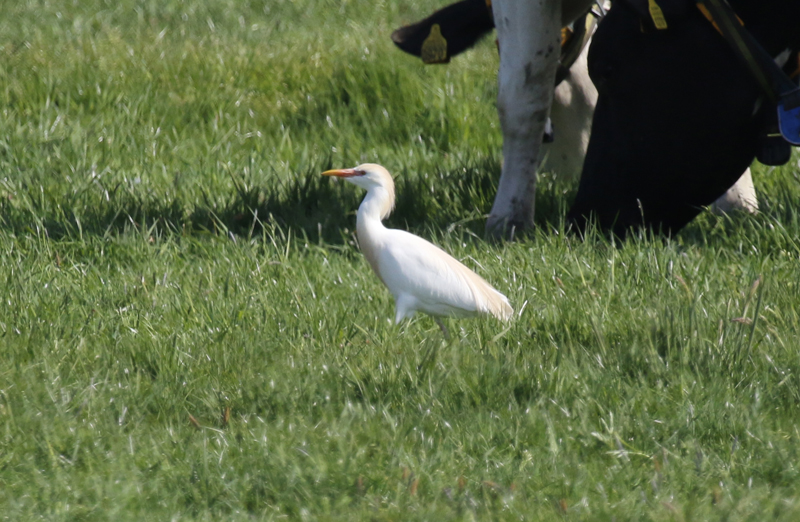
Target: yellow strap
[
  {"x": 710, "y": 18},
  {"x": 657, "y": 15},
  {"x": 735, "y": 39}
]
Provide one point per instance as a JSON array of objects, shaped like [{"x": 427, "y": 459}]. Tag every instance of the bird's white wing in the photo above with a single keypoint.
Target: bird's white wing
[{"x": 441, "y": 285}]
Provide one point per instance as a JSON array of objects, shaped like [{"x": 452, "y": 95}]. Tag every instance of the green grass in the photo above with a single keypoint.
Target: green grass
[{"x": 170, "y": 254}]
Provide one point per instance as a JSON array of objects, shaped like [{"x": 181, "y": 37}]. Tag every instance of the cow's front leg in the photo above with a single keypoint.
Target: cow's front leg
[{"x": 529, "y": 37}]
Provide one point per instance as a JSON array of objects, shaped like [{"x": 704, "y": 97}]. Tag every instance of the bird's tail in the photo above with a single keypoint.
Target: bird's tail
[
  {"x": 490, "y": 301},
  {"x": 498, "y": 306}
]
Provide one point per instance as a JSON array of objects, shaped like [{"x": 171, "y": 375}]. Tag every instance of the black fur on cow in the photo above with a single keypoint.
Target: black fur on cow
[{"x": 678, "y": 117}]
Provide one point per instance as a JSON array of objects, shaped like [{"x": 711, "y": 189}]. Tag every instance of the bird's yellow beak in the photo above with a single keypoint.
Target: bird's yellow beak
[{"x": 343, "y": 173}]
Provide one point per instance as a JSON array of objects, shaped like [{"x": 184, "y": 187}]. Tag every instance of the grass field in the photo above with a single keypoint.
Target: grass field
[{"x": 188, "y": 330}]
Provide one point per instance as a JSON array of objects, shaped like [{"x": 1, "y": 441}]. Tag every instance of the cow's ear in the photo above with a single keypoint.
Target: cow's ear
[{"x": 447, "y": 32}]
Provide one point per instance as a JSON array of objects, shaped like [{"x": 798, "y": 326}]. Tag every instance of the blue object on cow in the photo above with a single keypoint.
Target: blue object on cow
[{"x": 789, "y": 122}]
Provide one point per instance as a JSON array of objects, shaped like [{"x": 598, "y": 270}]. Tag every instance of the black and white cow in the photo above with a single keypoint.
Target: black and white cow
[
  {"x": 573, "y": 105},
  {"x": 678, "y": 117}
]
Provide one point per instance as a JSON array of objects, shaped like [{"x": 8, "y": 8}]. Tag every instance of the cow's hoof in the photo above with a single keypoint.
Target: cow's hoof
[{"x": 501, "y": 228}]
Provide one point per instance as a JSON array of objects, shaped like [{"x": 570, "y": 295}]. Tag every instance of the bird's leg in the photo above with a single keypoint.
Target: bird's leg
[
  {"x": 443, "y": 328},
  {"x": 429, "y": 359}
]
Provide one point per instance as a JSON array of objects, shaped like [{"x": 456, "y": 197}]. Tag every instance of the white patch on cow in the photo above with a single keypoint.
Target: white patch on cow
[
  {"x": 741, "y": 196},
  {"x": 574, "y": 101}
]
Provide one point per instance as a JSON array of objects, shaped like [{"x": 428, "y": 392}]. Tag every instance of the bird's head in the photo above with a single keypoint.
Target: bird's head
[
  {"x": 372, "y": 178},
  {"x": 366, "y": 176}
]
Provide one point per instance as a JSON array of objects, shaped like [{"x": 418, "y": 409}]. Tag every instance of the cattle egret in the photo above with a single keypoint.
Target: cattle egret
[{"x": 420, "y": 275}]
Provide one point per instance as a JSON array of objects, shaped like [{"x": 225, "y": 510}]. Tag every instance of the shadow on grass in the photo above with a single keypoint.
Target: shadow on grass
[
  {"x": 309, "y": 204},
  {"x": 323, "y": 209}
]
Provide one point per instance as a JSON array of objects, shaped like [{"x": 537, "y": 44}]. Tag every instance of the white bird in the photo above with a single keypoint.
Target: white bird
[{"x": 420, "y": 275}]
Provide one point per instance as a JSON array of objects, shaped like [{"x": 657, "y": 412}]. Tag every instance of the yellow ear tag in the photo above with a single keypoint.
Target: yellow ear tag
[
  {"x": 657, "y": 15},
  {"x": 434, "y": 48}
]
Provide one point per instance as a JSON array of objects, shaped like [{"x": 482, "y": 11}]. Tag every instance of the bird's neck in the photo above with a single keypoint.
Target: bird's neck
[
  {"x": 377, "y": 205},
  {"x": 371, "y": 232}
]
